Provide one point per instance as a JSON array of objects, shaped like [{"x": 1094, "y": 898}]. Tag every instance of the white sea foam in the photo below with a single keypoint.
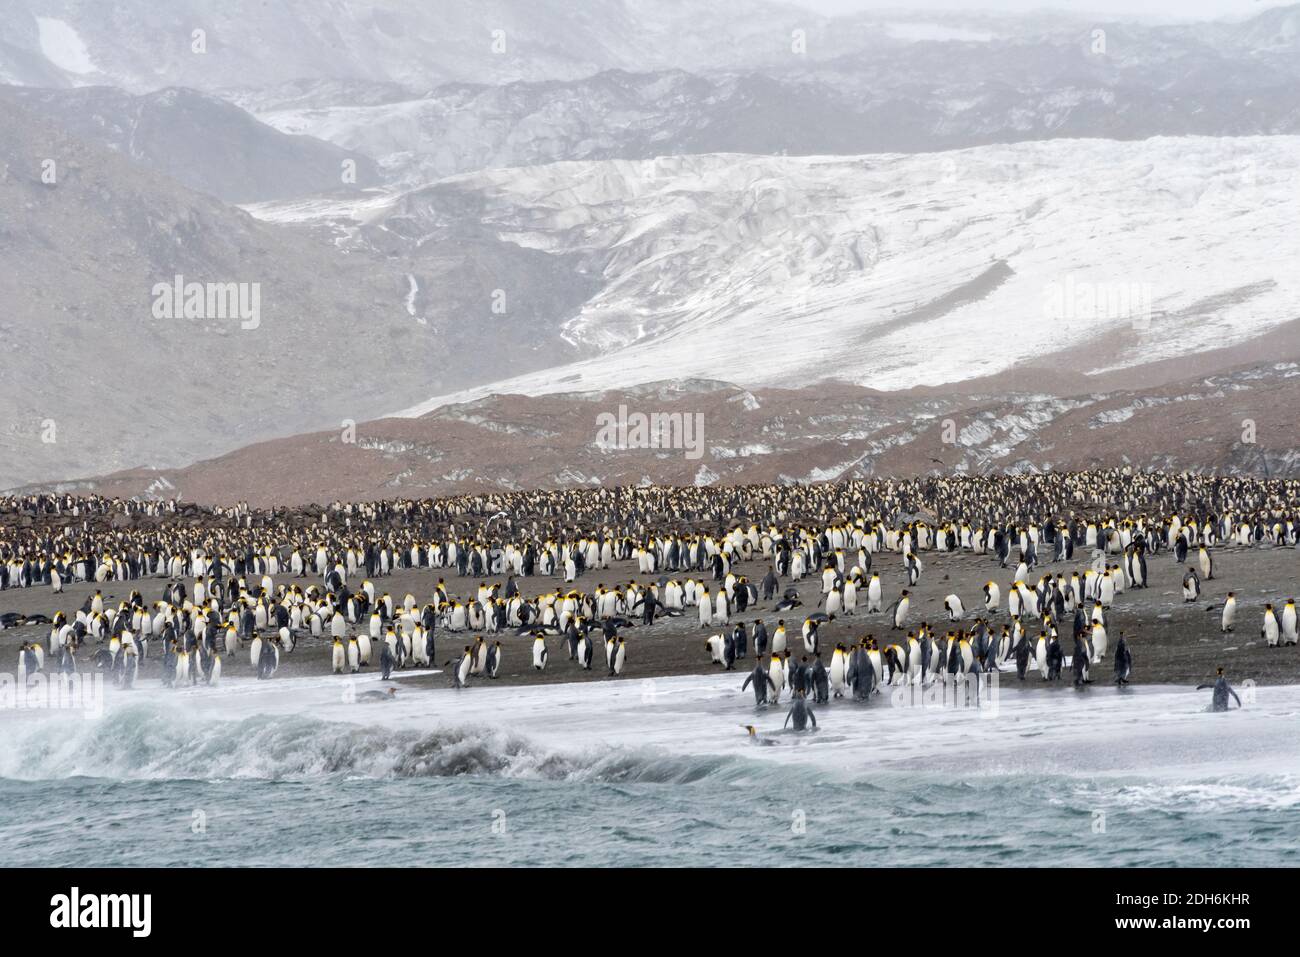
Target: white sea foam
[{"x": 302, "y": 727}]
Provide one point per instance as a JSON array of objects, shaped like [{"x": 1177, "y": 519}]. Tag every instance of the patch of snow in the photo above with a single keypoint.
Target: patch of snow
[
  {"x": 411, "y": 293},
  {"x": 63, "y": 46},
  {"x": 1113, "y": 416},
  {"x": 705, "y": 476}
]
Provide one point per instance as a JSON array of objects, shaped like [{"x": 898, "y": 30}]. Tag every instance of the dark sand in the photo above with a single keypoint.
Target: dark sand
[{"x": 1172, "y": 642}]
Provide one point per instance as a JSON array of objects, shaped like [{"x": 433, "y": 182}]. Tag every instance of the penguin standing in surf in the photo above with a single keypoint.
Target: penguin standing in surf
[
  {"x": 800, "y": 713},
  {"x": 761, "y": 680},
  {"x": 1221, "y": 691}
]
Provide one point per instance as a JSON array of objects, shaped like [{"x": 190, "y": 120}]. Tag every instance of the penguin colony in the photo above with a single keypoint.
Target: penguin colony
[{"x": 236, "y": 589}]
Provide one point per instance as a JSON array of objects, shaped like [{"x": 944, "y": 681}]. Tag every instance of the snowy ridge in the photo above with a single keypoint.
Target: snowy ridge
[{"x": 885, "y": 269}]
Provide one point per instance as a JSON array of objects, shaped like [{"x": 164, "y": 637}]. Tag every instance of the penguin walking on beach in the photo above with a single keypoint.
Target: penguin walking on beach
[
  {"x": 1055, "y": 659},
  {"x": 464, "y": 666},
  {"x": 1229, "y": 613},
  {"x": 267, "y": 661},
  {"x": 539, "y": 651},
  {"x": 839, "y": 670},
  {"x": 1289, "y": 623},
  {"x": 1023, "y": 652},
  {"x": 875, "y": 593},
  {"x": 992, "y": 597},
  {"x": 1099, "y": 641},
  {"x": 1207, "y": 564},
  {"x": 913, "y": 569},
  {"x": 900, "y": 609},
  {"x": 1080, "y": 662},
  {"x": 1123, "y": 661},
  {"x": 819, "y": 680},
  {"x": 1270, "y": 631}
]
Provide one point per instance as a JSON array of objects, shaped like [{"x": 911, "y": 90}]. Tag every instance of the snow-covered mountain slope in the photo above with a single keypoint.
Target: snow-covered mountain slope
[
  {"x": 142, "y": 45},
  {"x": 886, "y": 96},
  {"x": 893, "y": 271}
]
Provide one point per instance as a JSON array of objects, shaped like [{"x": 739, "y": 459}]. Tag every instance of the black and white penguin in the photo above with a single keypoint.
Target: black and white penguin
[
  {"x": 620, "y": 657},
  {"x": 1270, "y": 631},
  {"x": 1221, "y": 691},
  {"x": 761, "y": 679},
  {"x": 1080, "y": 662},
  {"x": 464, "y": 666},
  {"x": 1207, "y": 564},
  {"x": 800, "y": 714},
  {"x": 1123, "y": 661}
]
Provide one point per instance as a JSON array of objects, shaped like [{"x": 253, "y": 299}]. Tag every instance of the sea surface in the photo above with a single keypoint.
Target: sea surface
[{"x": 308, "y": 771}]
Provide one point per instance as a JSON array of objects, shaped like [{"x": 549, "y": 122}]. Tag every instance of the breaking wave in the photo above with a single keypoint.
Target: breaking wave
[{"x": 144, "y": 743}]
